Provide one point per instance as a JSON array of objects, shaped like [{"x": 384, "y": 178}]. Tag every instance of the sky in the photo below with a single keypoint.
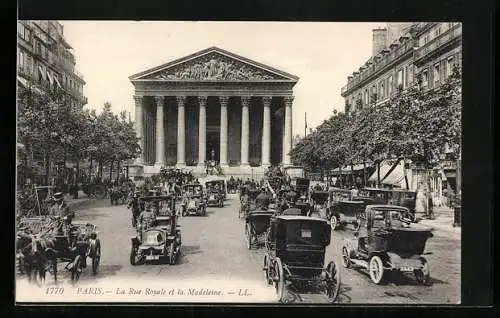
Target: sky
[{"x": 321, "y": 54}]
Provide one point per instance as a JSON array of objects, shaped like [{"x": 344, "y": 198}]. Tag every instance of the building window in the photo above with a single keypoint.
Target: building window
[
  {"x": 449, "y": 66},
  {"x": 382, "y": 90},
  {"x": 425, "y": 78},
  {"x": 20, "y": 59},
  {"x": 426, "y": 38},
  {"x": 390, "y": 85},
  {"x": 23, "y": 32},
  {"x": 438, "y": 31},
  {"x": 399, "y": 78},
  {"x": 436, "y": 75}
]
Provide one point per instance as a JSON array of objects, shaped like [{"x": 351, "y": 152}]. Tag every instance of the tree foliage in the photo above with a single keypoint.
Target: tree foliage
[{"x": 415, "y": 124}]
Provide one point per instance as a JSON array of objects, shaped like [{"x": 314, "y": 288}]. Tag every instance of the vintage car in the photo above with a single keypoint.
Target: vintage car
[
  {"x": 386, "y": 242},
  {"x": 219, "y": 184},
  {"x": 215, "y": 198},
  {"x": 345, "y": 212},
  {"x": 399, "y": 197},
  {"x": 194, "y": 201},
  {"x": 256, "y": 226},
  {"x": 296, "y": 247},
  {"x": 161, "y": 240}
]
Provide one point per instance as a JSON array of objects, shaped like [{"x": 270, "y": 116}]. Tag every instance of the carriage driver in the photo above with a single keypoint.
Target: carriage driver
[
  {"x": 262, "y": 200},
  {"x": 147, "y": 217},
  {"x": 61, "y": 210}
]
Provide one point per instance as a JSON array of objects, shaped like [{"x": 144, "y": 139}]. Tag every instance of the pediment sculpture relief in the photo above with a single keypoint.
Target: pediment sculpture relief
[{"x": 215, "y": 67}]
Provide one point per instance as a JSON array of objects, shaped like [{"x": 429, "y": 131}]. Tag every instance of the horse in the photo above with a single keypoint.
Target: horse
[{"x": 36, "y": 255}]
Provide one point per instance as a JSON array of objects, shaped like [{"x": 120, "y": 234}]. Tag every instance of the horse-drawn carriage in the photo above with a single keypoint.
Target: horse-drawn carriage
[
  {"x": 319, "y": 201},
  {"x": 162, "y": 239},
  {"x": 385, "y": 242},
  {"x": 42, "y": 242},
  {"x": 296, "y": 247},
  {"x": 301, "y": 188},
  {"x": 194, "y": 201},
  {"x": 247, "y": 201},
  {"x": 256, "y": 226}
]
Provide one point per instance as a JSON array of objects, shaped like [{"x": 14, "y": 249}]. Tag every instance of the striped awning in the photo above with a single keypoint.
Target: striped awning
[
  {"x": 57, "y": 82},
  {"x": 42, "y": 72},
  {"x": 51, "y": 79},
  {"x": 384, "y": 169},
  {"x": 396, "y": 176},
  {"x": 26, "y": 84}
]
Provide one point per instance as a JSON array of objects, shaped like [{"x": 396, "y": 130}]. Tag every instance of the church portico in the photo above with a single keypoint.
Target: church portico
[{"x": 214, "y": 105}]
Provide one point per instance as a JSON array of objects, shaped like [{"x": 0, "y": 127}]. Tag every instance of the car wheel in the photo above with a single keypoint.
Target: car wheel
[
  {"x": 332, "y": 282},
  {"x": 267, "y": 269},
  {"x": 334, "y": 222},
  {"x": 423, "y": 275},
  {"x": 171, "y": 254},
  {"x": 376, "y": 269},
  {"x": 346, "y": 260},
  {"x": 279, "y": 280}
]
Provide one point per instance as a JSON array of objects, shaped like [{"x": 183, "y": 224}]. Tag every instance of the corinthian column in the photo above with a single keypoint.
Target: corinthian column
[
  {"x": 202, "y": 131},
  {"x": 160, "y": 132},
  {"x": 245, "y": 129},
  {"x": 266, "y": 132},
  {"x": 139, "y": 127},
  {"x": 181, "y": 132},
  {"x": 223, "y": 130},
  {"x": 288, "y": 131}
]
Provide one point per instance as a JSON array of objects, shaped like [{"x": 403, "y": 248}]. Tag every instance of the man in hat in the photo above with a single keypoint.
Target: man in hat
[
  {"x": 147, "y": 217},
  {"x": 262, "y": 200},
  {"x": 60, "y": 208}
]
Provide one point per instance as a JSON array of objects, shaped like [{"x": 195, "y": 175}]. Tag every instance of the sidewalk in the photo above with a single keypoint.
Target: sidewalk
[
  {"x": 443, "y": 222},
  {"x": 76, "y": 203}
]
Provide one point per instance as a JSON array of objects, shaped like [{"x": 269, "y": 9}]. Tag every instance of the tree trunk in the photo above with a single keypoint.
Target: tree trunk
[
  {"x": 47, "y": 167},
  {"x": 118, "y": 171},
  {"x": 90, "y": 169},
  {"x": 378, "y": 174},
  {"x": 77, "y": 177},
  {"x": 406, "y": 174},
  {"x": 352, "y": 176},
  {"x": 364, "y": 173},
  {"x": 111, "y": 171},
  {"x": 99, "y": 171}
]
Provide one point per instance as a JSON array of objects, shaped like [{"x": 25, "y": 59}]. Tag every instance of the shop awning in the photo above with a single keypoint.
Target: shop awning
[
  {"x": 57, "y": 82},
  {"x": 385, "y": 167},
  {"x": 27, "y": 85},
  {"x": 396, "y": 176},
  {"x": 49, "y": 76},
  {"x": 42, "y": 72}
]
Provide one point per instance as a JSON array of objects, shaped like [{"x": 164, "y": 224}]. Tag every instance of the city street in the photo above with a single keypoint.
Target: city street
[{"x": 214, "y": 247}]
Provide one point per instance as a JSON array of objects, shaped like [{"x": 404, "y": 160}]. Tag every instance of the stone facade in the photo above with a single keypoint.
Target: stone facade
[{"x": 214, "y": 102}]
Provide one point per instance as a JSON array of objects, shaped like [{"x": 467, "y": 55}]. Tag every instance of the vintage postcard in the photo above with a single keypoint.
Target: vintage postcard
[{"x": 238, "y": 162}]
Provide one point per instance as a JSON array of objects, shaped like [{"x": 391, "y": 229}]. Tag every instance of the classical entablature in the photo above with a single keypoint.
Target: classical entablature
[
  {"x": 209, "y": 69},
  {"x": 214, "y": 105}
]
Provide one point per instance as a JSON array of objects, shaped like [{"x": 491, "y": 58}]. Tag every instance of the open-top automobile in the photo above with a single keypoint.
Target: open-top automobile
[
  {"x": 387, "y": 242},
  {"x": 194, "y": 200},
  {"x": 162, "y": 239}
]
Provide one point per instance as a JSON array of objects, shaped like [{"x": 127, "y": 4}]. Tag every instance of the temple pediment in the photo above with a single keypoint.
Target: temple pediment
[{"x": 213, "y": 64}]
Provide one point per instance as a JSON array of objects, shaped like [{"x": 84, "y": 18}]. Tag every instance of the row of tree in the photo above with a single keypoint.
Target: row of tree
[
  {"x": 416, "y": 124},
  {"x": 53, "y": 130}
]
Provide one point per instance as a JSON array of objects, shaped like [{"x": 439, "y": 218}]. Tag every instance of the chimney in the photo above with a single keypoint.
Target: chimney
[
  {"x": 395, "y": 30},
  {"x": 379, "y": 40}
]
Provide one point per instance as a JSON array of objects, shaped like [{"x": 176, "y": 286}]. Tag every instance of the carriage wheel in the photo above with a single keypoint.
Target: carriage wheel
[
  {"x": 376, "y": 269},
  {"x": 77, "y": 269},
  {"x": 248, "y": 232},
  {"x": 267, "y": 270},
  {"x": 171, "y": 254},
  {"x": 95, "y": 252},
  {"x": 423, "y": 275},
  {"x": 279, "y": 279},
  {"x": 133, "y": 256},
  {"x": 334, "y": 221},
  {"x": 332, "y": 281},
  {"x": 346, "y": 259}
]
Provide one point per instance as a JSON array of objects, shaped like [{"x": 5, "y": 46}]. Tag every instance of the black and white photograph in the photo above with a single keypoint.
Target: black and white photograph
[{"x": 238, "y": 162}]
